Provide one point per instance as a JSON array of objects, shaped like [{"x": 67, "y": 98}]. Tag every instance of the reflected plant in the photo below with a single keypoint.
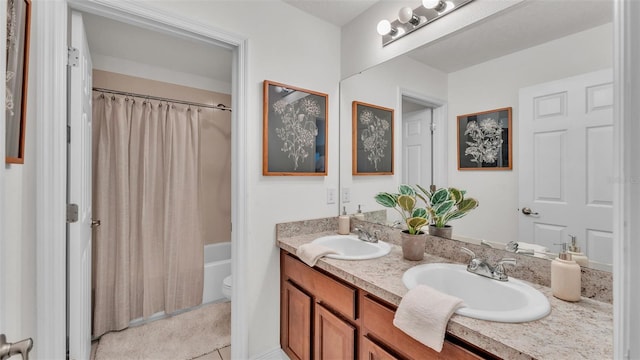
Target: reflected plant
[
  {"x": 299, "y": 127},
  {"x": 486, "y": 138},
  {"x": 373, "y": 136}
]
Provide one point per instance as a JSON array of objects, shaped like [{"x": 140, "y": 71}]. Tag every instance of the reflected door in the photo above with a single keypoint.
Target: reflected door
[
  {"x": 416, "y": 147},
  {"x": 566, "y": 163}
]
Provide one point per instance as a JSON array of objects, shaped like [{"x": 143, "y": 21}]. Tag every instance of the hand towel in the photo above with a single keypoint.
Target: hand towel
[
  {"x": 310, "y": 253},
  {"x": 529, "y": 246},
  {"x": 424, "y": 313}
]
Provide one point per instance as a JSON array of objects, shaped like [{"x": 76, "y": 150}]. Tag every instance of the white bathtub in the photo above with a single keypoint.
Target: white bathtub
[{"x": 217, "y": 266}]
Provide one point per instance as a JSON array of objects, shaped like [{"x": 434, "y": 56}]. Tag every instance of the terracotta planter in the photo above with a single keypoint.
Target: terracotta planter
[
  {"x": 413, "y": 245},
  {"x": 443, "y": 232}
]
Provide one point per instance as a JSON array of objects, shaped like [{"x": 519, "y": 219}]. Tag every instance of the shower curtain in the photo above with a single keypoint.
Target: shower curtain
[{"x": 148, "y": 251}]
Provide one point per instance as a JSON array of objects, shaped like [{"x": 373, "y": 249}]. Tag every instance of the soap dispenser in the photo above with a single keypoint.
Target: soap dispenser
[
  {"x": 359, "y": 214},
  {"x": 344, "y": 222},
  {"x": 576, "y": 255},
  {"x": 565, "y": 277}
]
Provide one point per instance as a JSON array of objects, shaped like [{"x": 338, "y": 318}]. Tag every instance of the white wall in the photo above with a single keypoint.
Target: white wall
[
  {"x": 362, "y": 46},
  {"x": 288, "y": 46},
  {"x": 133, "y": 68},
  {"x": 381, "y": 86},
  {"x": 17, "y": 231},
  {"x": 494, "y": 84}
]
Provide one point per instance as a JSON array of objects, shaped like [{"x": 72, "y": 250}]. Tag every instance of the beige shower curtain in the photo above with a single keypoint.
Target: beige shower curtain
[{"x": 148, "y": 251}]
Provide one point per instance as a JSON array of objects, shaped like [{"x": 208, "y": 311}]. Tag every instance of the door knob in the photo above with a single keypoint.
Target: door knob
[
  {"x": 8, "y": 349},
  {"x": 528, "y": 211},
  {"x": 95, "y": 223}
]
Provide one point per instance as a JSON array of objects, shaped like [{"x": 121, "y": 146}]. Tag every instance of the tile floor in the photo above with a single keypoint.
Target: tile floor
[{"x": 218, "y": 354}]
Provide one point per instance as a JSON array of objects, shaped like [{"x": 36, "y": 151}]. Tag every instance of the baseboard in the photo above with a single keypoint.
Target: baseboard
[{"x": 274, "y": 354}]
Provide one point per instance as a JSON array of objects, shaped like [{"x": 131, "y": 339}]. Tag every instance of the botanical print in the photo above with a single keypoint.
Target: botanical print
[
  {"x": 373, "y": 136},
  {"x": 299, "y": 129},
  {"x": 486, "y": 140}
]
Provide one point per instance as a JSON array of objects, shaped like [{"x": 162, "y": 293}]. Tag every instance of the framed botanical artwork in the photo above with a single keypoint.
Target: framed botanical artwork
[
  {"x": 372, "y": 139},
  {"x": 295, "y": 123},
  {"x": 18, "y": 31},
  {"x": 484, "y": 140}
]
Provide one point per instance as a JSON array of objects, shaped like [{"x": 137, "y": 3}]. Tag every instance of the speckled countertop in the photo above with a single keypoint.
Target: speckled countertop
[{"x": 582, "y": 330}]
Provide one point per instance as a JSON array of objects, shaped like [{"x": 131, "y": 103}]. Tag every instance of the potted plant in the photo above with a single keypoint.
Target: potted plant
[
  {"x": 444, "y": 205},
  {"x": 413, "y": 238}
]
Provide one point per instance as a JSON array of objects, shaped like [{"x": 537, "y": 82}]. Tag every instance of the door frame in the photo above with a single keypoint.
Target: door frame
[{"x": 51, "y": 103}]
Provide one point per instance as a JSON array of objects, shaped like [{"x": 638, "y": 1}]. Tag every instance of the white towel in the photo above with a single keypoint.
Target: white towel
[
  {"x": 529, "y": 246},
  {"x": 424, "y": 313},
  {"x": 310, "y": 253}
]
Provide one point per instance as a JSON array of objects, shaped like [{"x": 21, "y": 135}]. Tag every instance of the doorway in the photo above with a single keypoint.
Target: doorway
[
  {"x": 207, "y": 37},
  {"x": 424, "y": 152}
]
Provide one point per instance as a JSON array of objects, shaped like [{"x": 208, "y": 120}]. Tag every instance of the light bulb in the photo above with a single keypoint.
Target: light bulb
[
  {"x": 405, "y": 14},
  {"x": 431, "y": 4},
  {"x": 384, "y": 27}
]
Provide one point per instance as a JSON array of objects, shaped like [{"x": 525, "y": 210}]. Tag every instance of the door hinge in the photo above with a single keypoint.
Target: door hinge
[
  {"x": 73, "y": 57},
  {"x": 72, "y": 213},
  {"x": 68, "y": 134},
  {"x": 433, "y": 127}
]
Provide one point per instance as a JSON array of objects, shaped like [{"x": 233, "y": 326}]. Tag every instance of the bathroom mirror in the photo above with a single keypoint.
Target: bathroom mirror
[{"x": 480, "y": 68}]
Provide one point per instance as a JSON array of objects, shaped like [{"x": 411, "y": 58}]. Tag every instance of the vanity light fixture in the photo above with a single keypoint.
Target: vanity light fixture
[{"x": 410, "y": 20}]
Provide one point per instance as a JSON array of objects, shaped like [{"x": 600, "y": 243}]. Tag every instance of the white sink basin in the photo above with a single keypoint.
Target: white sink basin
[
  {"x": 349, "y": 247},
  {"x": 486, "y": 299}
]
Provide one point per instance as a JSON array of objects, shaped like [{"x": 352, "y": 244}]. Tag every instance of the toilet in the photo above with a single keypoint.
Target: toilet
[{"x": 226, "y": 287}]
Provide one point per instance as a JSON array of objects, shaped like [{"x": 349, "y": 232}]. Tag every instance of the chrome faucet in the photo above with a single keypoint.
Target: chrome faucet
[
  {"x": 481, "y": 266},
  {"x": 364, "y": 235},
  {"x": 7, "y": 349}
]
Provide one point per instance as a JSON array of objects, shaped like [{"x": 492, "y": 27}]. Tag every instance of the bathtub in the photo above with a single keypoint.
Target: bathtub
[{"x": 217, "y": 266}]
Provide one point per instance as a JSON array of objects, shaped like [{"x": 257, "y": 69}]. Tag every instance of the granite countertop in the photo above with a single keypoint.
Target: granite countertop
[{"x": 581, "y": 330}]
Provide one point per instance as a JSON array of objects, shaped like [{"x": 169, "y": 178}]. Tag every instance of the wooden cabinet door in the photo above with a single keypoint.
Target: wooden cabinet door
[
  {"x": 371, "y": 351},
  {"x": 334, "y": 337},
  {"x": 295, "y": 330}
]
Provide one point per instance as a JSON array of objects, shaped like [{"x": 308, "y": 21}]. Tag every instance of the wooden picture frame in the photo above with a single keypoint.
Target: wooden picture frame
[
  {"x": 17, "y": 78},
  {"x": 295, "y": 124},
  {"x": 485, "y": 140},
  {"x": 372, "y": 142}
]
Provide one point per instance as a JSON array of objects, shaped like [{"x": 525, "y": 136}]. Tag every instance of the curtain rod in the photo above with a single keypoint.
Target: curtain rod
[{"x": 149, "y": 97}]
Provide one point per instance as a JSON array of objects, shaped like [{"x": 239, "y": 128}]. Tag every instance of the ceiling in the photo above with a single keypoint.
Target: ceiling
[
  {"x": 338, "y": 12},
  {"x": 531, "y": 23},
  {"x": 120, "y": 40}
]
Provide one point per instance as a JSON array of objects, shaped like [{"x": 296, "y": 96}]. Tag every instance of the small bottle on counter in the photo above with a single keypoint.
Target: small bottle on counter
[
  {"x": 565, "y": 277},
  {"x": 359, "y": 214},
  {"x": 344, "y": 222},
  {"x": 576, "y": 255}
]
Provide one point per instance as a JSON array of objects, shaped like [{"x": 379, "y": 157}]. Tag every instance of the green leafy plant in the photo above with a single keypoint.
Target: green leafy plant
[
  {"x": 446, "y": 204},
  {"x": 405, "y": 203}
]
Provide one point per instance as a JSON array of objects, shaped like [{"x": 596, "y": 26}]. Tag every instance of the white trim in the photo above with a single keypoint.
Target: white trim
[
  {"x": 51, "y": 135},
  {"x": 50, "y": 26},
  {"x": 3, "y": 36},
  {"x": 273, "y": 354},
  {"x": 440, "y": 112},
  {"x": 626, "y": 269},
  {"x": 239, "y": 244}
]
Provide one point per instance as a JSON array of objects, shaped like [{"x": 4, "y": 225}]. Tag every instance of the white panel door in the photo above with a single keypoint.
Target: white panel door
[
  {"x": 416, "y": 148},
  {"x": 566, "y": 163},
  {"x": 79, "y": 296}
]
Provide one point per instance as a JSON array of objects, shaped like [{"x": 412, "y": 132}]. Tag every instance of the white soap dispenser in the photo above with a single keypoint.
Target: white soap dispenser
[
  {"x": 359, "y": 214},
  {"x": 565, "y": 277},
  {"x": 576, "y": 255},
  {"x": 344, "y": 222}
]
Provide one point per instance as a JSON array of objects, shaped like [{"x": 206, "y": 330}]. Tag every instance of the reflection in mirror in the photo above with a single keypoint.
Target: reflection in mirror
[{"x": 549, "y": 61}]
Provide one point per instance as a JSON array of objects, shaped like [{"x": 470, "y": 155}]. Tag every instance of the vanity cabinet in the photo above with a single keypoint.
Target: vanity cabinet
[
  {"x": 318, "y": 318},
  {"x": 322, "y": 317}
]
